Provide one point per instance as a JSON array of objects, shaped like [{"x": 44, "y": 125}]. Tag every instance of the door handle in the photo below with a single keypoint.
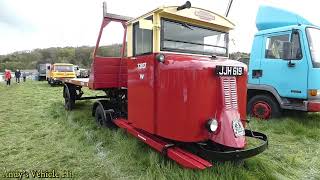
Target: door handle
[
  {"x": 256, "y": 73},
  {"x": 291, "y": 64}
]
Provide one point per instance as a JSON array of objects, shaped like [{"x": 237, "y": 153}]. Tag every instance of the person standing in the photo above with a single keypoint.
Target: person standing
[
  {"x": 17, "y": 74},
  {"x": 7, "y": 76},
  {"x": 24, "y": 76}
]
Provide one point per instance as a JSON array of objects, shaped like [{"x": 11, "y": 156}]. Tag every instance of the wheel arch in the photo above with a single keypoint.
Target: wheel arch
[{"x": 254, "y": 90}]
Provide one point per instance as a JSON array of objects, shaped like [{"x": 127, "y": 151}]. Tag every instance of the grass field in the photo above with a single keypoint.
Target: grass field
[{"x": 36, "y": 133}]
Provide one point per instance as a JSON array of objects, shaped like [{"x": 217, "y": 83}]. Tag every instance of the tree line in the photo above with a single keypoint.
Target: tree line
[{"x": 81, "y": 56}]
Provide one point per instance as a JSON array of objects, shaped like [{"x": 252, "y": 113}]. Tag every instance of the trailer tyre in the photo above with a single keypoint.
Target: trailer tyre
[
  {"x": 69, "y": 94},
  {"x": 263, "y": 107}
]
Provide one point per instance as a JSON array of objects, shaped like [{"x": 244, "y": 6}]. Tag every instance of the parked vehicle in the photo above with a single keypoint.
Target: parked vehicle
[
  {"x": 176, "y": 90},
  {"x": 42, "y": 69},
  {"x": 60, "y": 70},
  {"x": 48, "y": 71},
  {"x": 77, "y": 70},
  {"x": 84, "y": 73},
  {"x": 284, "y": 68}
]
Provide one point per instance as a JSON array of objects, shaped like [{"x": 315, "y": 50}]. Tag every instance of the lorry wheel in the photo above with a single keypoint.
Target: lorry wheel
[
  {"x": 263, "y": 107},
  {"x": 69, "y": 94},
  {"x": 102, "y": 116}
]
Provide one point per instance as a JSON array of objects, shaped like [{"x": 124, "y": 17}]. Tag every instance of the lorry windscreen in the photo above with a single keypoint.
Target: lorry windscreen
[
  {"x": 64, "y": 68},
  {"x": 187, "y": 38},
  {"x": 314, "y": 45}
]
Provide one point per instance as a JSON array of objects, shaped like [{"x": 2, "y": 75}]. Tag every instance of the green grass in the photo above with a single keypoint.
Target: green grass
[{"x": 36, "y": 133}]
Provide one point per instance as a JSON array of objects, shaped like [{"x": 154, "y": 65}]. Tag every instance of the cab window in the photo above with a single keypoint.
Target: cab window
[
  {"x": 142, "y": 40},
  {"x": 296, "y": 46},
  {"x": 187, "y": 38},
  {"x": 273, "y": 46}
]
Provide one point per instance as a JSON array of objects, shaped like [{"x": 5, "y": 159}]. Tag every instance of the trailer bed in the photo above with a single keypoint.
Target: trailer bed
[
  {"x": 106, "y": 72},
  {"x": 84, "y": 82}
]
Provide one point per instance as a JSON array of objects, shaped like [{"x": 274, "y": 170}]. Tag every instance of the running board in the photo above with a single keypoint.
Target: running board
[{"x": 182, "y": 157}]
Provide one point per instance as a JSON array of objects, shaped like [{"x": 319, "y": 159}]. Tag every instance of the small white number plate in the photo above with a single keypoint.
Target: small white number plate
[{"x": 238, "y": 128}]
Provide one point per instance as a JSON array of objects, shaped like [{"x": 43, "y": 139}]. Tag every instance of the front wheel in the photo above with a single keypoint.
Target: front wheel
[
  {"x": 51, "y": 82},
  {"x": 104, "y": 118},
  {"x": 263, "y": 107}
]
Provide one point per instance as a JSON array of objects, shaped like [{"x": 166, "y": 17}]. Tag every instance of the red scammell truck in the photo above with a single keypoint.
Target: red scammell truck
[{"x": 175, "y": 90}]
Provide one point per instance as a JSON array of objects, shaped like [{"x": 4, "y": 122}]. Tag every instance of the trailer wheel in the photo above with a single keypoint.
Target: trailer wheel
[
  {"x": 103, "y": 115},
  {"x": 69, "y": 94},
  {"x": 263, "y": 107}
]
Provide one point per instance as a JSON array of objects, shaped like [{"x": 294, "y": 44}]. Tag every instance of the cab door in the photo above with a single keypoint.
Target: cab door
[
  {"x": 289, "y": 78},
  {"x": 256, "y": 56},
  {"x": 141, "y": 80}
]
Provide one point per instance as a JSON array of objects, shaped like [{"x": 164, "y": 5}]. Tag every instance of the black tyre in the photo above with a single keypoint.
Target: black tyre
[
  {"x": 103, "y": 117},
  {"x": 263, "y": 107},
  {"x": 51, "y": 82},
  {"x": 69, "y": 94},
  {"x": 100, "y": 116}
]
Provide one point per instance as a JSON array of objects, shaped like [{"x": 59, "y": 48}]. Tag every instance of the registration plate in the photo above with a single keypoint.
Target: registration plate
[
  {"x": 238, "y": 128},
  {"x": 229, "y": 71}
]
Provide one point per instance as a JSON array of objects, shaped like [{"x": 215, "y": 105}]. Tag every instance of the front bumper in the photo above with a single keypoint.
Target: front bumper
[
  {"x": 238, "y": 154},
  {"x": 56, "y": 81}
]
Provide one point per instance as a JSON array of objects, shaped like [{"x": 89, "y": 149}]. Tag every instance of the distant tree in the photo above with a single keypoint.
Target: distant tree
[
  {"x": 81, "y": 56},
  {"x": 240, "y": 56}
]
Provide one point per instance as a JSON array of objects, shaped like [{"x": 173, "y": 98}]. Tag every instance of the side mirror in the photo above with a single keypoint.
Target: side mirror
[
  {"x": 48, "y": 67},
  {"x": 286, "y": 50}
]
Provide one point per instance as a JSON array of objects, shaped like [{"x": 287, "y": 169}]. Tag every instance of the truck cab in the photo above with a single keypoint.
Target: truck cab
[
  {"x": 60, "y": 70},
  {"x": 177, "y": 72},
  {"x": 175, "y": 88},
  {"x": 284, "y": 65}
]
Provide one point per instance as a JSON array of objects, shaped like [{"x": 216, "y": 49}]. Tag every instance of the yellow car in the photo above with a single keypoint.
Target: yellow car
[{"x": 60, "y": 70}]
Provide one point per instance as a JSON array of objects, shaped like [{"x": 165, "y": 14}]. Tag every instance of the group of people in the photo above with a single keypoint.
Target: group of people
[{"x": 17, "y": 73}]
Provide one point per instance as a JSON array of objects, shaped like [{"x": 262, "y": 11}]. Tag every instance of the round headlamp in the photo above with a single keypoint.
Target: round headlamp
[{"x": 212, "y": 125}]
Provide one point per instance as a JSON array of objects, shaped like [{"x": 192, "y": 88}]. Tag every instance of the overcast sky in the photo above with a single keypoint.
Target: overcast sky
[{"x": 30, "y": 24}]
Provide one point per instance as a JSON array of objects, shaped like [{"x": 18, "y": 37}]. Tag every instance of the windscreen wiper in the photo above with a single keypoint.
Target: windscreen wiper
[
  {"x": 213, "y": 56},
  {"x": 187, "y": 26}
]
